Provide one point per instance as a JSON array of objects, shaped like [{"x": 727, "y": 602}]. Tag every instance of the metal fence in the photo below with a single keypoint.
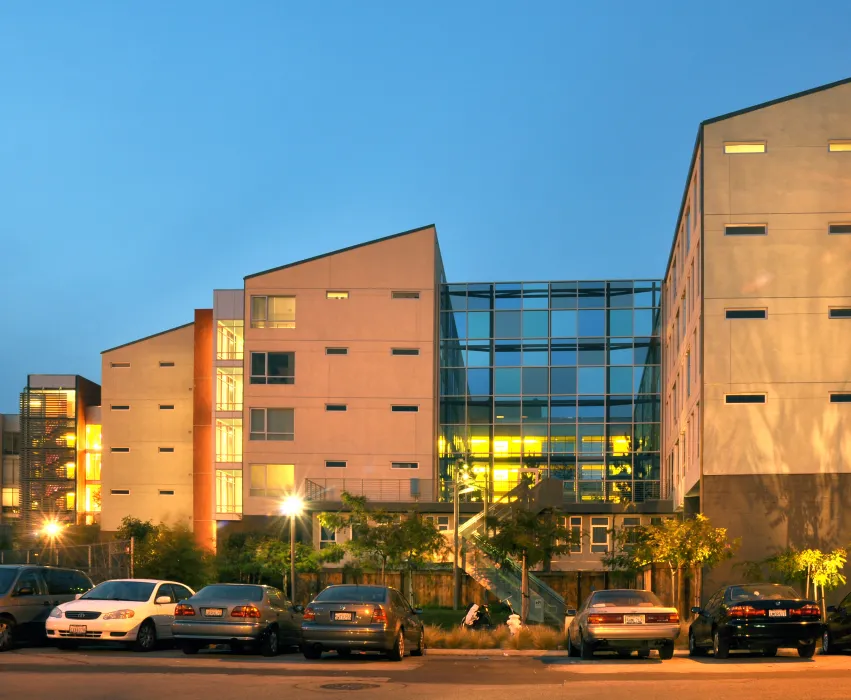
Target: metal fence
[{"x": 101, "y": 561}]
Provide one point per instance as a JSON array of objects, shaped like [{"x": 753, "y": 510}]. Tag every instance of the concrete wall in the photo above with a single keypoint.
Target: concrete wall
[
  {"x": 369, "y": 379},
  {"x": 145, "y": 428}
]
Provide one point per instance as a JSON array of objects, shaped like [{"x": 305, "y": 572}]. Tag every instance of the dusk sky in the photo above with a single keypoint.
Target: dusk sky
[{"x": 153, "y": 151}]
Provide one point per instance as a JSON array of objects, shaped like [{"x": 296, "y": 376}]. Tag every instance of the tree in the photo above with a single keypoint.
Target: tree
[
  {"x": 533, "y": 538},
  {"x": 811, "y": 567}
]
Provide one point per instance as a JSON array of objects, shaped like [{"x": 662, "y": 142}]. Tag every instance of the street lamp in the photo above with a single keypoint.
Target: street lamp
[
  {"x": 52, "y": 531},
  {"x": 292, "y": 506}
]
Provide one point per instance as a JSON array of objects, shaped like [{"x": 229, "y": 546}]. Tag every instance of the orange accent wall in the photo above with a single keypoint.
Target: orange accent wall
[{"x": 202, "y": 434}]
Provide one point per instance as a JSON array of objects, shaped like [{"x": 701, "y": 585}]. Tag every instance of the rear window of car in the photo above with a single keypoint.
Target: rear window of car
[
  {"x": 767, "y": 591},
  {"x": 614, "y": 599},
  {"x": 352, "y": 594},
  {"x": 7, "y": 577},
  {"x": 65, "y": 582},
  {"x": 230, "y": 593}
]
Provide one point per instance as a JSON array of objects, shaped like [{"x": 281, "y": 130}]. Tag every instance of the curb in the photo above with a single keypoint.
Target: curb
[{"x": 494, "y": 652}]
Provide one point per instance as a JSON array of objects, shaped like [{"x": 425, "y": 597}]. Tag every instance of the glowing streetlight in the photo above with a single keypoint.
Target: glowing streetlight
[
  {"x": 292, "y": 506},
  {"x": 51, "y": 530}
]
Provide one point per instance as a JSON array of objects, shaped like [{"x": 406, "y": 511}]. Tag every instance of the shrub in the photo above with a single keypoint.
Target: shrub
[{"x": 530, "y": 637}]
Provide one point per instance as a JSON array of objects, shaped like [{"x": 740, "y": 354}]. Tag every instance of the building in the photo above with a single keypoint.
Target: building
[
  {"x": 10, "y": 468},
  {"x": 757, "y": 305}
]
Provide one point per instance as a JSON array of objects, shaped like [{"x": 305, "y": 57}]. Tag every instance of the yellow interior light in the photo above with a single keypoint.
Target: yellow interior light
[
  {"x": 70, "y": 470},
  {"x": 752, "y": 147}
]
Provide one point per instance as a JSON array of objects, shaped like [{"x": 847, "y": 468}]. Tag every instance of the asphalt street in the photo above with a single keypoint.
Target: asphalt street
[{"x": 101, "y": 674}]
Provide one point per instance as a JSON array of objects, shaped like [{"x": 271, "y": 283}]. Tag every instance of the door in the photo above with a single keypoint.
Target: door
[
  {"x": 64, "y": 585},
  {"x": 406, "y": 618},
  {"x": 30, "y": 604},
  {"x": 840, "y": 626},
  {"x": 280, "y": 608},
  {"x": 702, "y": 625},
  {"x": 163, "y": 613}
]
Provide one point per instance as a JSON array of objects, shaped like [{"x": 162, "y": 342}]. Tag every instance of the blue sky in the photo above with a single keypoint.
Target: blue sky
[{"x": 153, "y": 151}]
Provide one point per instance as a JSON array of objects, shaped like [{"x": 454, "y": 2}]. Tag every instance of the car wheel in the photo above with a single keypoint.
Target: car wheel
[
  {"x": 807, "y": 651},
  {"x": 190, "y": 648},
  {"x": 7, "y": 634},
  {"x": 572, "y": 651},
  {"x": 420, "y": 648},
  {"x": 693, "y": 649},
  {"x": 666, "y": 651},
  {"x": 827, "y": 643},
  {"x": 720, "y": 647},
  {"x": 769, "y": 652},
  {"x": 311, "y": 652},
  {"x": 269, "y": 643},
  {"x": 146, "y": 637},
  {"x": 586, "y": 651},
  {"x": 397, "y": 653}
]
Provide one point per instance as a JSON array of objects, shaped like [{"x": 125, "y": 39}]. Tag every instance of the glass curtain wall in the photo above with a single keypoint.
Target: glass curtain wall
[{"x": 561, "y": 378}]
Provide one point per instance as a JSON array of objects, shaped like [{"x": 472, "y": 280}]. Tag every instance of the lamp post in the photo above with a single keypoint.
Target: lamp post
[
  {"x": 456, "y": 512},
  {"x": 52, "y": 530},
  {"x": 292, "y": 506}
]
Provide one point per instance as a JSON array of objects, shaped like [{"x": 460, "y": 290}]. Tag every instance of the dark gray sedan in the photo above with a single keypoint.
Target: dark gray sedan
[
  {"x": 240, "y": 615},
  {"x": 361, "y": 618}
]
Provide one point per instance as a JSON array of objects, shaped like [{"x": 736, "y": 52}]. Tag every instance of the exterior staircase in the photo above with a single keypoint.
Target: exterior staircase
[{"x": 502, "y": 575}]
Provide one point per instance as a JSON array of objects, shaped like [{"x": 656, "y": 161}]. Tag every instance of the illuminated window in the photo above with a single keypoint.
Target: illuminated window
[
  {"x": 228, "y": 439},
  {"x": 273, "y": 368},
  {"x": 272, "y": 424},
  {"x": 839, "y": 145},
  {"x": 272, "y": 312},
  {"x": 405, "y": 295},
  {"x": 745, "y": 147},
  {"x": 336, "y": 295},
  {"x": 230, "y": 340},
  {"x": 839, "y": 229},
  {"x": 576, "y": 534},
  {"x": 93, "y": 498},
  {"x": 10, "y": 497},
  {"x": 745, "y": 313},
  {"x": 229, "y": 491},
  {"x": 229, "y": 388},
  {"x": 599, "y": 535},
  {"x": 745, "y": 230},
  {"x": 272, "y": 480},
  {"x": 744, "y": 398},
  {"x": 93, "y": 436},
  {"x": 93, "y": 466}
]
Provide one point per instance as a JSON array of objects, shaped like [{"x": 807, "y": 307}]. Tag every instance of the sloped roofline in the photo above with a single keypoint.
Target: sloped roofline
[
  {"x": 148, "y": 337},
  {"x": 341, "y": 250}
]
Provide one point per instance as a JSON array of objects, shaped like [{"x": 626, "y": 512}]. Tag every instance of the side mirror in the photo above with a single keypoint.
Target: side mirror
[
  {"x": 78, "y": 596},
  {"x": 570, "y": 612},
  {"x": 298, "y": 608},
  {"x": 163, "y": 600},
  {"x": 697, "y": 611},
  {"x": 418, "y": 611},
  {"x": 24, "y": 590},
  {"x": 831, "y": 608}
]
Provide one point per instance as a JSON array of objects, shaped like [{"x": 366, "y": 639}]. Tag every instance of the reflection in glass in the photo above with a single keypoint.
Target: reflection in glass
[
  {"x": 563, "y": 380},
  {"x": 535, "y": 409},
  {"x": 620, "y": 322},
  {"x": 563, "y": 295},
  {"x": 535, "y": 380},
  {"x": 535, "y": 354},
  {"x": 563, "y": 351},
  {"x": 478, "y": 382},
  {"x": 507, "y": 380},
  {"x": 479, "y": 354},
  {"x": 506, "y": 324},
  {"x": 563, "y": 323},
  {"x": 592, "y": 295},
  {"x": 535, "y": 324},
  {"x": 479, "y": 324},
  {"x": 507, "y": 353},
  {"x": 563, "y": 409},
  {"x": 592, "y": 409},
  {"x": 620, "y": 380},
  {"x": 592, "y": 323},
  {"x": 478, "y": 296},
  {"x": 592, "y": 380},
  {"x": 507, "y": 296},
  {"x": 620, "y": 295}
]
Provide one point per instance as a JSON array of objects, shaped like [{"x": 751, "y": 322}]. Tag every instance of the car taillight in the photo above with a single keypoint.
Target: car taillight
[
  {"x": 183, "y": 610},
  {"x": 746, "y": 611},
  {"x": 808, "y": 610},
  {"x": 378, "y": 614},
  {"x": 309, "y": 614},
  {"x": 607, "y": 619},
  {"x": 245, "y": 611},
  {"x": 662, "y": 618}
]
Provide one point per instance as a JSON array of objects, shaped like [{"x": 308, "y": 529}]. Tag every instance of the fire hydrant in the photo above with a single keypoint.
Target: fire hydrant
[{"x": 514, "y": 624}]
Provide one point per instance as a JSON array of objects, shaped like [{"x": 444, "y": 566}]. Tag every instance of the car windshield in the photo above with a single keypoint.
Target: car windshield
[
  {"x": 616, "y": 599},
  {"x": 136, "y": 591},
  {"x": 230, "y": 593},
  {"x": 6, "y": 578},
  {"x": 766, "y": 591},
  {"x": 352, "y": 594}
]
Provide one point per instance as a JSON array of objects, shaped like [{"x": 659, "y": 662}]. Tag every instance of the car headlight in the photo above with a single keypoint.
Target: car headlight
[
  {"x": 119, "y": 615},
  {"x": 56, "y": 612}
]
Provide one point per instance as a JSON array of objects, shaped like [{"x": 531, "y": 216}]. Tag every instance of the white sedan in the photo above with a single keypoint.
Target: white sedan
[{"x": 137, "y": 612}]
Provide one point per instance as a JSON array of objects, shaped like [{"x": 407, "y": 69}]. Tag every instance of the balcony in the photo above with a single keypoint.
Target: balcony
[{"x": 375, "y": 490}]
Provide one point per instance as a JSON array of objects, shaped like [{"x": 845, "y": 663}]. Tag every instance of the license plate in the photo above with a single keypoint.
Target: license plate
[
  {"x": 213, "y": 612},
  {"x": 77, "y": 630},
  {"x": 633, "y": 619},
  {"x": 777, "y": 613},
  {"x": 347, "y": 616}
]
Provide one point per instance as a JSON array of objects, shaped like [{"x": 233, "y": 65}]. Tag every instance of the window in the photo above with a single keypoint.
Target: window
[
  {"x": 120, "y": 408},
  {"x": 336, "y": 407},
  {"x": 336, "y": 295},
  {"x": 745, "y": 230},
  {"x": 166, "y": 364},
  {"x": 119, "y": 449},
  {"x": 272, "y": 424},
  {"x": 840, "y": 312},
  {"x": 166, "y": 449},
  {"x": 166, "y": 406},
  {"x": 630, "y": 526},
  {"x": 272, "y": 312},
  {"x": 230, "y": 339},
  {"x": 229, "y": 388},
  {"x": 119, "y": 365},
  {"x": 576, "y": 534},
  {"x": 65, "y": 582},
  {"x": 229, "y": 491},
  {"x": 336, "y": 351},
  {"x": 745, "y": 313},
  {"x": 599, "y": 535},
  {"x": 10, "y": 497},
  {"x": 688, "y": 373},
  {"x": 405, "y": 465},
  {"x": 335, "y": 463},
  {"x": 273, "y": 368},
  {"x": 168, "y": 492},
  {"x": 404, "y": 409},
  {"x": 405, "y": 295},
  {"x": 745, "y": 147},
  {"x": 839, "y": 145},
  {"x": 840, "y": 398},
  {"x": 405, "y": 351},
  {"x": 839, "y": 228},
  {"x": 744, "y": 398},
  {"x": 272, "y": 480},
  {"x": 120, "y": 492},
  {"x": 327, "y": 537},
  {"x": 228, "y": 439},
  {"x": 441, "y": 521}
]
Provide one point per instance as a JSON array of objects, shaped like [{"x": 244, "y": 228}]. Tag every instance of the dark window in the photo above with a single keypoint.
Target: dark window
[
  {"x": 65, "y": 582},
  {"x": 166, "y": 364},
  {"x": 272, "y": 367},
  {"x": 746, "y": 313},
  {"x": 840, "y": 398},
  {"x": 840, "y": 313},
  {"x": 336, "y": 351},
  {"x": 745, "y": 398},
  {"x": 166, "y": 449},
  {"x": 166, "y": 493},
  {"x": 272, "y": 424},
  {"x": 406, "y": 351},
  {"x": 120, "y": 408},
  {"x": 405, "y": 465},
  {"x": 120, "y": 492},
  {"x": 230, "y": 593},
  {"x": 406, "y": 295},
  {"x": 165, "y": 591},
  {"x": 353, "y": 594},
  {"x": 840, "y": 228},
  {"x": 30, "y": 579},
  {"x": 166, "y": 406},
  {"x": 405, "y": 409},
  {"x": 335, "y": 463},
  {"x": 335, "y": 407},
  {"x": 11, "y": 443},
  {"x": 120, "y": 365},
  {"x": 181, "y": 592},
  {"x": 119, "y": 449},
  {"x": 745, "y": 230}
]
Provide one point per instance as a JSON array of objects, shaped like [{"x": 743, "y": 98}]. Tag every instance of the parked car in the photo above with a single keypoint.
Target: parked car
[
  {"x": 762, "y": 617},
  {"x": 623, "y": 621},
  {"x": 362, "y": 618},
  {"x": 27, "y": 594},
  {"x": 137, "y": 612},
  {"x": 836, "y": 636},
  {"x": 238, "y": 614}
]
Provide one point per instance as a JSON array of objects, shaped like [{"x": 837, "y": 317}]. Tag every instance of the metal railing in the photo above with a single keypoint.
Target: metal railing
[{"x": 376, "y": 490}]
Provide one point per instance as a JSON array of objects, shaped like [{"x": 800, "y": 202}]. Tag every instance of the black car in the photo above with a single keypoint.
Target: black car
[
  {"x": 837, "y": 632},
  {"x": 761, "y": 617}
]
